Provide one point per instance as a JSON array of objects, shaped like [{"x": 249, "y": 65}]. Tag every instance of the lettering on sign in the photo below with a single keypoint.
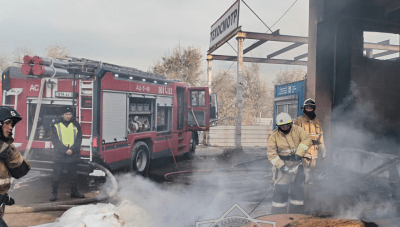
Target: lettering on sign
[
  {"x": 34, "y": 87},
  {"x": 225, "y": 25},
  {"x": 164, "y": 90},
  {"x": 63, "y": 94},
  {"x": 143, "y": 88}
]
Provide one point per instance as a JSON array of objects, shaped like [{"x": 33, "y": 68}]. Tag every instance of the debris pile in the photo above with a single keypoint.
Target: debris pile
[
  {"x": 322, "y": 222},
  {"x": 103, "y": 215}
]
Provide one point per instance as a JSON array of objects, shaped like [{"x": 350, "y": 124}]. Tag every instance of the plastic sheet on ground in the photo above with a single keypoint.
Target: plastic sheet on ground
[{"x": 103, "y": 215}]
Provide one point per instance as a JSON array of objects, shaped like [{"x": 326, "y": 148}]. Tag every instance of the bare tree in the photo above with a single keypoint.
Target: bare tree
[
  {"x": 289, "y": 76},
  {"x": 224, "y": 84},
  {"x": 20, "y": 52},
  {"x": 255, "y": 94},
  {"x": 4, "y": 62},
  {"x": 56, "y": 51},
  {"x": 184, "y": 63}
]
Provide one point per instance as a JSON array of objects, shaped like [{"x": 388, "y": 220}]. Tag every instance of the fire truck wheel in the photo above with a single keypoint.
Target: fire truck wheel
[
  {"x": 140, "y": 158},
  {"x": 190, "y": 154}
]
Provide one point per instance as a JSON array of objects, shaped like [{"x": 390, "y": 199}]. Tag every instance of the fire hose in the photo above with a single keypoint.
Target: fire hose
[
  {"x": 63, "y": 205},
  {"x": 35, "y": 120}
]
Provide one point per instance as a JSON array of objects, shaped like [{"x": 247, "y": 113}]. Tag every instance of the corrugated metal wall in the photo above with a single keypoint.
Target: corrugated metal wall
[{"x": 252, "y": 136}]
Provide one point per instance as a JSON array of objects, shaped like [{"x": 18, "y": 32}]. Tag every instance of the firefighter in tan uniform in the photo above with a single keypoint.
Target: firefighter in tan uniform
[
  {"x": 12, "y": 164},
  {"x": 311, "y": 124},
  {"x": 286, "y": 147}
]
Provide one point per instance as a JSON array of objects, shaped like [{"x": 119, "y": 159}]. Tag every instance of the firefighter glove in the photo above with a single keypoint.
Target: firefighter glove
[
  {"x": 323, "y": 150},
  {"x": 8, "y": 200},
  {"x": 296, "y": 158},
  {"x": 286, "y": 169}
]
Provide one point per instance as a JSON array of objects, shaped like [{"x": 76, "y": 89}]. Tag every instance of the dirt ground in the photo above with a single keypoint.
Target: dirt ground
[
  {"x": 35, "y": 188},
  {"x": 247, "y": 173}
]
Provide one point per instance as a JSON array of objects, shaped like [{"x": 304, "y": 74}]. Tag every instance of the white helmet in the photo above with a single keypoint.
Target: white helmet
[
  {"x": 309, "y": 102},
  {"x": 283, "y": 119}
]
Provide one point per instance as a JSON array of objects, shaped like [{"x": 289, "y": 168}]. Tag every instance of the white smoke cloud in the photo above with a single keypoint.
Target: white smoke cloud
[{"x": 357, "y": 149}]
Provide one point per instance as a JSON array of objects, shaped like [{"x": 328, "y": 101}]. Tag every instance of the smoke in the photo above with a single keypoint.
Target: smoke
[
  {"x": 358, "y": 146},
  {"x": 209, "y": 195},
  {"x": 359, "y": 123}
]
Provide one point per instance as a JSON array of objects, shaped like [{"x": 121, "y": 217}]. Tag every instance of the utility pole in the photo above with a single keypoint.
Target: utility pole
[{"x": 238, "y": 140}]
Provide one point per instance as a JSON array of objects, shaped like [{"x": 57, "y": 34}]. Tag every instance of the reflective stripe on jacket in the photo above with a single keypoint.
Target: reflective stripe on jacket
[
  {"x": 66, "y": 135},
  {"x": 314, "y": 128},
  {"x": 12, "y": 164},
  {"x": 297, "y": 141}
]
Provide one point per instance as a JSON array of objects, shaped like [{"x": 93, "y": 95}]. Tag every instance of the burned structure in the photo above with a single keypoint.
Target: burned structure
[{"x": 343, "y": 72}]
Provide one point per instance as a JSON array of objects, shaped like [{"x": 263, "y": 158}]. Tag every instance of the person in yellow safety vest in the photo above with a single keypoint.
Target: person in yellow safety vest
[
  {"x": 312, "y": 125},
  {"x": 12, "y": 164},
  {"x": 67, "y": 139},
  {"x": 285, "y": 149}
]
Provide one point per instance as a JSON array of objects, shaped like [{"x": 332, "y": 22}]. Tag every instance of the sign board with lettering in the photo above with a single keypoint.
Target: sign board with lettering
[{"x": 225, "y": 25}]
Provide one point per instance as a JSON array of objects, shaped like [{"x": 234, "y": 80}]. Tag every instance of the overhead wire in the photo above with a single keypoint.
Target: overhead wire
[
  {"x": 232, "y": 47},
  {"x": 269, "y": 28},
  {"x": 257, "y": 16},
  {"x": 284, "y": 13}
]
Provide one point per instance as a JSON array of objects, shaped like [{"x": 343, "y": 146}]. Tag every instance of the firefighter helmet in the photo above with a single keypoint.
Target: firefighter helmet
[
  {"x": 309, "y": 102},
  {"x": 283, "y": 119},
  {"x": 9, "y": 113}
]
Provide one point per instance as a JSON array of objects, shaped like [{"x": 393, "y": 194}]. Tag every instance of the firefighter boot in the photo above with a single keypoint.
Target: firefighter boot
[
  {"x": 53, "y": 196},
  {"x": 296, "y": 209},
  {"x": 75, "y": 193}
]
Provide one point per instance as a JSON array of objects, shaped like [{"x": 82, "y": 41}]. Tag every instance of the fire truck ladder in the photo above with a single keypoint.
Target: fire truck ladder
[{"x": 85, "y": 91}]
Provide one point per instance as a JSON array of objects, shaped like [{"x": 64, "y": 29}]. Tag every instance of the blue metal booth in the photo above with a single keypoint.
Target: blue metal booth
[{"x": 289, "y": 98}]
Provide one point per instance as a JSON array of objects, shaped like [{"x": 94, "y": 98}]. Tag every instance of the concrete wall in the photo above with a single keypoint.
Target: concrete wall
[{"x": 252, "y": 136}]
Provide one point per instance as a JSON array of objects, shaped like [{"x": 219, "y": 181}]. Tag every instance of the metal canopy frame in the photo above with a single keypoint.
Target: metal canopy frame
[
  {"x": 296, "y": 41},
  {"x": 262, "y": 38}
]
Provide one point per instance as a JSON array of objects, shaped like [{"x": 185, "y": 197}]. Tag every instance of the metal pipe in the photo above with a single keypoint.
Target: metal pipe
[
  {"x": 26, "y": 69},
  {"x": 209, "y": 72},
  {"x": 47, "y": 71},
  {"x": 238, "y": 138},
  {"x": 27, "y": 59},
  {"x": 48, "y": 62}
]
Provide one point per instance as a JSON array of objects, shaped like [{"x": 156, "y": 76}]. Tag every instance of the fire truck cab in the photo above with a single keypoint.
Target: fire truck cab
[{"x": 128, "y": 117}]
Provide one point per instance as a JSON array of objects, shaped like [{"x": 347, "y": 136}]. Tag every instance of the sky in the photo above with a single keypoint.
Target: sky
[{"x": 137, "y": 33}]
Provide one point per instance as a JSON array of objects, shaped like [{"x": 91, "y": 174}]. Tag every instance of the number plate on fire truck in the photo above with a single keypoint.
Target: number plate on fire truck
[{"x": 63, "y": 94}]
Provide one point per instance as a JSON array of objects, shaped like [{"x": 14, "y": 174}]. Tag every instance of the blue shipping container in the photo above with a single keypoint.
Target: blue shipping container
[{"x": 289, "y": 98}]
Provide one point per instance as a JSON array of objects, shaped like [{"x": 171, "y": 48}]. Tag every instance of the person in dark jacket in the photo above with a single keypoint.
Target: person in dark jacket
[
  {"x": 67, "y": 139},
  {"x": 12, "y": 164}
]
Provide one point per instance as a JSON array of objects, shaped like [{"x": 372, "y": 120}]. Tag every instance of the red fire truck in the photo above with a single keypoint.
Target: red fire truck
[{"x": 128, "y": 117}]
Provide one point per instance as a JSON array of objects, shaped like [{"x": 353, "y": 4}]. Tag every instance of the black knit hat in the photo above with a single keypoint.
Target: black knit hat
[{"x": 67, "y": 109}]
